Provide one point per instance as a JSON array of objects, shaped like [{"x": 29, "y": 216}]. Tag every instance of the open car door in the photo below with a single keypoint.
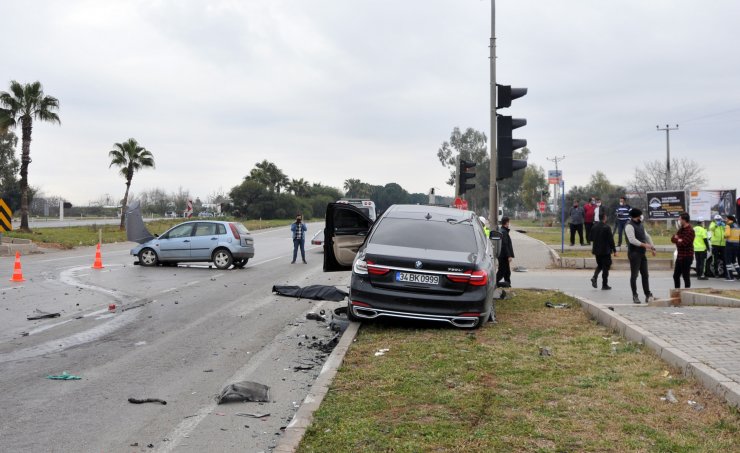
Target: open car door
[{"x": 346, "y": 230}]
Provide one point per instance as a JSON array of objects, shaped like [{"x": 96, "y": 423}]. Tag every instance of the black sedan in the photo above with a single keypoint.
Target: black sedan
[{"x": 418, "y": 262}]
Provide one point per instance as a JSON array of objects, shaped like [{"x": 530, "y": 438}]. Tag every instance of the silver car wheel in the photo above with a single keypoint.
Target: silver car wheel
[
  {"x": 222, "y": 258},
  {"x": 148, "y": 257}
]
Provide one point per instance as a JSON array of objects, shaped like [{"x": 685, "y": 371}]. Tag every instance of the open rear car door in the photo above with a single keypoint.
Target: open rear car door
[{"x": 346, "y": 230}]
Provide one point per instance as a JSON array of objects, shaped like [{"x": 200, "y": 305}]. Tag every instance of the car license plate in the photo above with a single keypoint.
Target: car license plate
[{"x": 408, "y": 277}]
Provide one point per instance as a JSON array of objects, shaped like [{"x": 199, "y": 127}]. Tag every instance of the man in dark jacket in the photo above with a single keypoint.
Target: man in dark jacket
[
  {"x": 684, "y": 240},
  {"x": 576, "y": 223},
  {"x": 505, "y": 256},
  {"x": 602, "y": 248}
]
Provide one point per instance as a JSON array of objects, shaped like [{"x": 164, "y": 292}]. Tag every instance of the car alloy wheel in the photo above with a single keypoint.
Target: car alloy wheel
[
  {"x": 148, "y": 257},
  {"x": 222, "y": 258}
]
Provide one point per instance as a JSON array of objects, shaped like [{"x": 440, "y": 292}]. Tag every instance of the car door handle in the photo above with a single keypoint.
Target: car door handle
[
  {"x": 186, "y": 240},
  {"x": 214, "y": 239}
]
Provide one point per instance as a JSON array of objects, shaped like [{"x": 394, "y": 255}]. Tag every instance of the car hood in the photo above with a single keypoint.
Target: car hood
[{"x": 135, "y": 229}]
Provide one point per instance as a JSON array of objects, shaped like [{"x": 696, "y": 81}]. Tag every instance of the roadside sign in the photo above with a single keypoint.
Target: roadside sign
[
  {"x": 458, "y": 203},
  {"x": 6, "y": 215},
  {"x": 541, "y": 206},
  {"x": 666, "y": 205},
  {"x": 554, "y": 176}
]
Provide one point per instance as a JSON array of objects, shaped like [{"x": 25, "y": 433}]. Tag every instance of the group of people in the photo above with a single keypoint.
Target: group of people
[
  {"x": 590, "y": 214},
  {"x": 721, "y": 240}
]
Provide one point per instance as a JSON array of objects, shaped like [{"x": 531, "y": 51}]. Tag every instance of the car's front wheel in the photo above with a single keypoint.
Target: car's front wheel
[
  {"x": 222, "y": 259},
  {"x": 148, "y": 257}
]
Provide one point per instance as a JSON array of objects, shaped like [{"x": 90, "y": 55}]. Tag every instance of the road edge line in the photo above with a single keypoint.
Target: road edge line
[
  {"x": 714, "y": 381},
  {"x": 302, "y": 419}
]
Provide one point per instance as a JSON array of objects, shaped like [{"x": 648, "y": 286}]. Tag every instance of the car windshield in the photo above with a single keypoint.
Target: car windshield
[{"x": 425, "y": 234}]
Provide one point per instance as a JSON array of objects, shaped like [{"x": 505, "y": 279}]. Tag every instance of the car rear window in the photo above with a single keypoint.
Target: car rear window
[{"x": 425, "y": 234}]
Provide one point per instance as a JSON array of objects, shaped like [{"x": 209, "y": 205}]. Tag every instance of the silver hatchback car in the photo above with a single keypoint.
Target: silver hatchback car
[{"x": 223, "y": 243}]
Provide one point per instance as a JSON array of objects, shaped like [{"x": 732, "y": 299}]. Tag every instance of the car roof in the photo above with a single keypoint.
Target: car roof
[{"x": 434, "y": 213}]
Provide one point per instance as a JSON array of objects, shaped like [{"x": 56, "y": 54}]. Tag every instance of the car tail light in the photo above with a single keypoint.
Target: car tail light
[
  {"x": 234, "y": 231},
  {"x": 375, "y": 269},
  {"x": 469, "y": 315},
  {"x": 359, "y": 267},
  {"x": 475, "y": 278}
]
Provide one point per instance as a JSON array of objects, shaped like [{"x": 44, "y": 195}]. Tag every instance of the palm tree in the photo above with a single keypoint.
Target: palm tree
[
  {"x": 299, "y": 187},
  {"x": 131, "y": 157},
  {"x": 23, "y": 104}
]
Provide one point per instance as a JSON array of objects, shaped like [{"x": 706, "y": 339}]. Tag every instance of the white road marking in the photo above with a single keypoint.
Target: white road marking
[
  {"x": 119, "y": 252},
  {"x": 48, "y": 326}
]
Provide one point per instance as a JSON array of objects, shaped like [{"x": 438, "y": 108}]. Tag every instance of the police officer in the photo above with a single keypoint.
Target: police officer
[{"x": 701, "y": 244}]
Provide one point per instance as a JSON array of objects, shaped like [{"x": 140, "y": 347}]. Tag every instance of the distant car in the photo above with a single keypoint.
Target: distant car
[
  {"x": 170, "y": 214},
  {"x": 318, "y": 238},
  {"x": 205, "y": 214},
  {"x": 223, "y": 243},
  {"x": 415, "y": 262}
]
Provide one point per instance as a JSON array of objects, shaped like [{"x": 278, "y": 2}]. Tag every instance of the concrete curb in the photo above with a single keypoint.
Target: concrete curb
[
  {"x": 694, "y": 298},
  {"x": 302, "y": 419},
  {"x": 713, "y": 380},
  {"x": 570, "y": 262}
]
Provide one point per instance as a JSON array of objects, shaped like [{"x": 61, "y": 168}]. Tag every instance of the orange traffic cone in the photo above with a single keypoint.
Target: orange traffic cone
[
  {"x": 98, "y": 264},
  {"x": 17, "y": 272}
]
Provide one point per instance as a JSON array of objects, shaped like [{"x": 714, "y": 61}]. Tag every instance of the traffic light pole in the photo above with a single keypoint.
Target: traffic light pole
[{"x": 493, "y": 191}]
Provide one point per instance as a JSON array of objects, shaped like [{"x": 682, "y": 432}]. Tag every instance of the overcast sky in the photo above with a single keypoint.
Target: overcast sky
[{"x": 368, "y": 89}]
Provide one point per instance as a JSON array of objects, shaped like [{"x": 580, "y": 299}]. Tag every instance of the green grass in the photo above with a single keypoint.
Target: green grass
[
  {"x": 441, "y": 389},
  {"x": 551, "y": 235},
  {"x": 70, "y": 237}
]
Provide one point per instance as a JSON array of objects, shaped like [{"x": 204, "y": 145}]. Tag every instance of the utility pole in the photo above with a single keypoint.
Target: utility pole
[
  {"x": 667, "y": 130},
  {"x": 556, "y": 159},
  {"x": 493, "y": 191}
]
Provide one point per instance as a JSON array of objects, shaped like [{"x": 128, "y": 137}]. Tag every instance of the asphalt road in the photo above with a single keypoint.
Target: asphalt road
[{"x": 178, "y": 334}]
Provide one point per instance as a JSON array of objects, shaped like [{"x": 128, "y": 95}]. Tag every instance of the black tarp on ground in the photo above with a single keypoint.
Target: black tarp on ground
[{"x": 315, "y": 292}]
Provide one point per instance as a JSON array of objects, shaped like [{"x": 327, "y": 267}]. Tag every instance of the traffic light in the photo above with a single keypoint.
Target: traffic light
[
  {"x": 464, "y": 175},
  {"x": 506, "y": 144},
  {"x": 67, "y": 205}
]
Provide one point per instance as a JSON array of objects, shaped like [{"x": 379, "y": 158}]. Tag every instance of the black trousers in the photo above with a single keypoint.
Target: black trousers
[
  {"x": 504, "y": 271},
  {"x": 682, "y": 269},
  {"x": 701, "y": 262},
  {"x": 589, "y": 225},
  {"x": 603, "y": 264},
  {"x": 639, "y": 265},
  {"x": 573, "y": 229}
]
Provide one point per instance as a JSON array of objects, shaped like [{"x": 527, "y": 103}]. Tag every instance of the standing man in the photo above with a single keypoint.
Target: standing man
[
  {"x": 505, "y": 256},
  {"x": 718, "y": 241},
  {"x": 701, "y": 245},
  {"x": 589, "y": 210},
  {"x": 684, "y": 240},
  {"x": 623, "y": 216},
  {"x": 732, "y": 247},
  {"x": 603, "y": 248},
  {"x": 638, "y": 243},
  {"x": 576, "y": 223},
  {"x": 298, "y": 228}
]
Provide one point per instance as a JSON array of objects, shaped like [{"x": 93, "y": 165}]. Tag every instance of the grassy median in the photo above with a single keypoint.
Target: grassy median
[
  {"x": 551, "y": 235},
  {"x": 440, "y": 389},
  {"x": 75, "y": 236}
]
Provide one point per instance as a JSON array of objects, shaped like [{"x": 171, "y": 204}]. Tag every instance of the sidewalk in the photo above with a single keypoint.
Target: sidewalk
[{"x": 703, "y": 334}]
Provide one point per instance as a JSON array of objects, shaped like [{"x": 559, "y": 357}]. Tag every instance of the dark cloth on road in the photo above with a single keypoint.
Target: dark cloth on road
[{"x": 314, "y": 292}]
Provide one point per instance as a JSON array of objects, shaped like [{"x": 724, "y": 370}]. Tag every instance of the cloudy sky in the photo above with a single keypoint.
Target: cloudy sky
[{"x": 369, "y": 89}]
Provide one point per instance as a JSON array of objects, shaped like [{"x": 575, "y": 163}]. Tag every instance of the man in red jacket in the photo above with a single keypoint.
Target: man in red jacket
[
  {"x": 590, "y": 210},
  {"x": 684, "y": 240}
]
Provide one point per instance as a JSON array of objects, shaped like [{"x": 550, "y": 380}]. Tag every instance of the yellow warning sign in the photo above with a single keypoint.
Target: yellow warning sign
[{"x": 6, "y": 215}]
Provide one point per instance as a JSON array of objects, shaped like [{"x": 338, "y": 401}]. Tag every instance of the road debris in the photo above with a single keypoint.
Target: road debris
[
  {"x": 313, "y": 292},
  {"x": 696, "y": 406},
  {"x": 65, "y": 376},
  {"x": 244, "y": 391},
  {"x": 339, "y": 321},
  {"x": 253, "y": 415},
  {"x": 549, "y": 304},
  {"x": 38, "y": 314},
  {"x": 209, "y": 370},
  {"x": 380, "y": 352},
  {"x": 520, "y": 269},
  {"x": 303, "y": 367},
  {"x": 327, "y": 346},
  {"x": 670, "y": 397},
  {"x": 146, "y": 400},
  {"x": 545, "y": 351},
  {"x": 315, "y": 317}
]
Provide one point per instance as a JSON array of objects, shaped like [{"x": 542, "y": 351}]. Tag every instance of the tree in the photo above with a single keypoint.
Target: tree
[
  {"x": 470, "y": 146},
  {"x": 10, "y": 190},
  {"x": 299, "y": 187},
  {"x": 390, "y": 194},
  {"x": 510, "y": 189},
  {"x": 269, "y": 175},
  {"x": 130, "y": 157},
  {"x": 598, "y": 186},
  {"x": 22, "y": 105},
  {"x": 357, "y": 189},
  {"x": 533, "y": 184},
  {"x": 686, "y": 174}
]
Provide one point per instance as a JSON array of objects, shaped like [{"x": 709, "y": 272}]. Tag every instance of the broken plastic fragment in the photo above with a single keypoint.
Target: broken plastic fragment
[
  {"x": 64, "y": 377},
  {"x": 253, "y": 415},
  {"x": 549, "y": 304},
  {"x": 380, "y": 352},
  {"x": 545, "y": 352},
  {"x": 670, "y": 397},
  {"x": 42, "y": 315},
  {"x": 244, "y": 391}
]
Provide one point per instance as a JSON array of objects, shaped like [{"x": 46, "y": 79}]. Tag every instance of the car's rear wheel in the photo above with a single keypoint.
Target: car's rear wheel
[
  {"x": 222, "y": 259},
  {"x": 148, "y": 257},
  {"x": 240, "y": 263}
]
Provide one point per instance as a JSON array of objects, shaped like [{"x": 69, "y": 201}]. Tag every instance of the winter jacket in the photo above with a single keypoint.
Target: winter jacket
[
  {"x": 685, "y": 247},
  {"x": 576, "y": 215},
  {"x": 732, "y": 233},
  {"x": 602, "y": 240},
  {"x": 589, "y": 209},
  {"x": 507, "y": 248},
  {"x": 717, "y": 231},
  {"x": 700, "y": 239}
]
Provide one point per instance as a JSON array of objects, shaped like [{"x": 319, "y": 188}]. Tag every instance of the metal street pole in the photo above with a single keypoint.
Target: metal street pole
[
  {"x": 493, "y": 190},
  {"x": 667, "y": 130}
]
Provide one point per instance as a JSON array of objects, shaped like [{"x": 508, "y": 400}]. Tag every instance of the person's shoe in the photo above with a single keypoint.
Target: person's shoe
[
  {"x": 649, "y": 298},
  {"x": 292, "y": 262},
  {"x": 572, "y": 244},
  {"x": 729, "y": 279},
  {"x": 593, "y": 282},
  {"x": 605, "y": 286},
  {"x": 635, "y": 299},
  {"x": 305, "y": 262},
  {"x": 703, "y": 278}
]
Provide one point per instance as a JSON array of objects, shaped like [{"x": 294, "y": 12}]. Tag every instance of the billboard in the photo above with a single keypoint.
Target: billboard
[
  {"x": 554, "y": 176},
  {"x": 705, "y": 204},
  {"x": 666, "y": 205}
]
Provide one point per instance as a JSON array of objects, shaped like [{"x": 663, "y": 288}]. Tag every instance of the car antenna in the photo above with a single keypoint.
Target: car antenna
[{"x": 428, "y": 216}]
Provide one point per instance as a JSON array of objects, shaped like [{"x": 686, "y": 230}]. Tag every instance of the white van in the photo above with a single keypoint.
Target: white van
[{"x": 367, "y": 206}]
